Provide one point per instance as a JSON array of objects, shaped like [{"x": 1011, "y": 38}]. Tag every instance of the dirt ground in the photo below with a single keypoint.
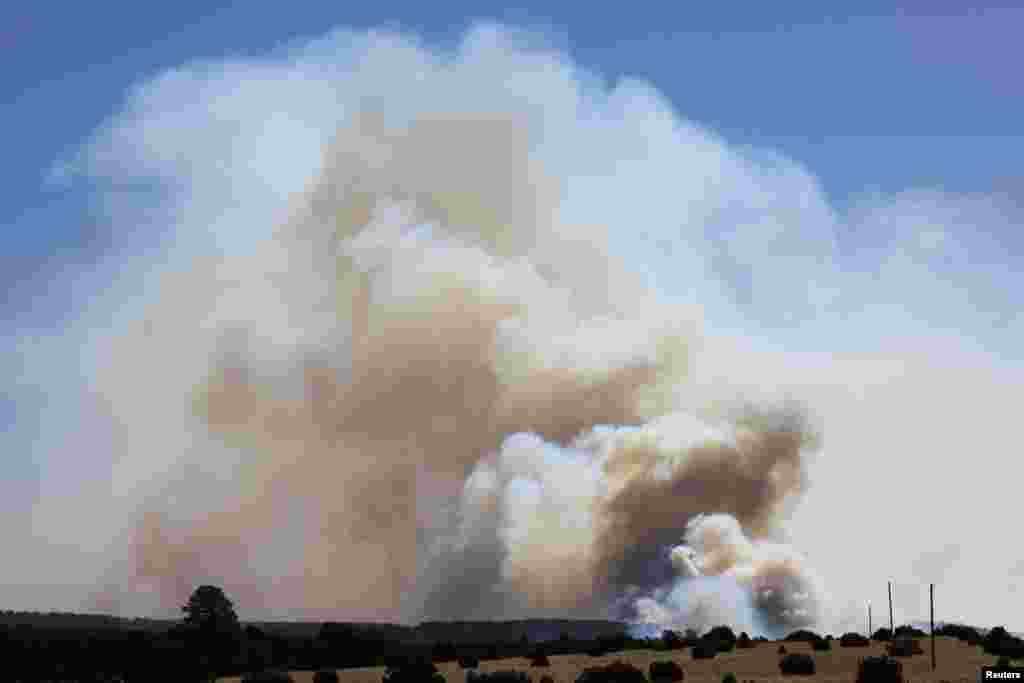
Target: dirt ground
[{"x": 956, "y": 662}]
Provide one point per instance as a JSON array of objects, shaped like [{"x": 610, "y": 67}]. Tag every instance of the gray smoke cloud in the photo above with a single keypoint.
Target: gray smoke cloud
[
  {"x": 406, "y": 356},
  {"x": 439, "y": 349}
]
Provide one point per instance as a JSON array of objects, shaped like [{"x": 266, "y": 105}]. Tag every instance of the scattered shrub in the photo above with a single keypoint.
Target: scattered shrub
[
  {"x": 326, "y": 676},
  {"x": 879, "y": 670},
  {"x": 546, "y": 679},
  {"x": 267, "y": 677},
  {"x": 1003, "y": 662},
  {"x": 904, "y": 647},
  {"x": 540, "y": 659},
  {"x": 665, "y": 672},
  {"x": 822, "y": 645},
  {"x": 802, "y": 636},
  {"x": 616, "y": 672},
  {"x": 469, "y": 662},
  {"x": 797, "y": 664},
  {"x": 744, "y": 642},
  {"x": 722, "y": 634},
  {"x": 853, "y": 640},
  {"x": 962, "y": 633},
  {"x": 704, "y": 650},
  {"x": 782, "y": 649},
  {"x": 909, "y": 632},
  {"x": 412, "y": 671},
  {"x": 729, "y": 678}
]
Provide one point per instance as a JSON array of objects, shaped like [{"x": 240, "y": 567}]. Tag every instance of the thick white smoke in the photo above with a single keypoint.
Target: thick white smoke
[{"x": 428, "y": 342}]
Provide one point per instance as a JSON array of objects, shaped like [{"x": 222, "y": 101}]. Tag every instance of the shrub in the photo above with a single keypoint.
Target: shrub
[
  {"x": 722, "y": 637},
  {"x": 963, "y": 633},
  {"x": 744, "y": 642},
  {"x": 540, "y": 659},
  {"x": 822, "y": 645},
  {"x": 909, "y": 632},
  {"x": 665, "y": 672},
  {"x": 704, "y": 650},
  {"x": 546, "y": 679},
  {"x": 802, "y": 636},
  {"x": 413, "y": 671},
  {"x": 267, "y": 677},
  {"x": 468, "y": 662},
  {"x": 782, "y": 649},
  {"x": 729, "y": 678},
  {"x": 1003, "y": 662},
  {"x": 853, "y": 640},
  {"x": 326, "y": 676},
  {"x": 879, "y": 670},
  {"x": 904, "y": 647},
  {"x": 797, "y": 664},
  {"x": 616, "y": 672}
]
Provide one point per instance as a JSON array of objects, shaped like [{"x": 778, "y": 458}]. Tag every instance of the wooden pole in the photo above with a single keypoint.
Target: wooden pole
[
  {"x": 931, "y": 600},
  {"x": 869, "y": 620},
  {"x": 892, "y": 627}
]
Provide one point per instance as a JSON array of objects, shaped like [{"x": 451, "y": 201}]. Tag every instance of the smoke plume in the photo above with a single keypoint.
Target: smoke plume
[
  {"x": 405, "y": 355},
  {"x": 470, "y": 399}
]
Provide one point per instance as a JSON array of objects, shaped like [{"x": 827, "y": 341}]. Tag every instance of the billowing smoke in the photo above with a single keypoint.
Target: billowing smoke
[
  {"x": 437, "y": 334},
  {"x": 456, "y": 405}
]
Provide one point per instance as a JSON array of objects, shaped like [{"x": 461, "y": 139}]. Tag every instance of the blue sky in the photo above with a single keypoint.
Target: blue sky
[
  {"x": 843, "y": 194},
  {"x": 933, "y": 95}
]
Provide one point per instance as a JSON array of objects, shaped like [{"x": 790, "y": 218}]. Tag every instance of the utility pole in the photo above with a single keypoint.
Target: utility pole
[
  {"x": 892, "y": 627},
  {"x": 869, "y": 620},
  {"x": 931, "y": 600}
]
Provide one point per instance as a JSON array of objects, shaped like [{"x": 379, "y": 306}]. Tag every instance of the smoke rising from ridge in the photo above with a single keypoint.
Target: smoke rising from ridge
[{"x": 445, "y": 383}]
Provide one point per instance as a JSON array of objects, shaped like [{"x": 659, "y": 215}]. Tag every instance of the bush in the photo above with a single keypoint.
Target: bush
[
  {"x": 797, "y": 664},
  {"x": 822, "y": 645},
  {"x": 267, "y": 677},
  {"x": 904, "y": 647},
  {"x": 704, "y": 650},
  {"x": 744, "y": 642},
  {"x": 963, "y": 633},
  {"x": 879, "y": 670},
  {"x": 723, "y": 638},
  {"x": 546, "y": 679},
  {"x": 853, "y": 640},
  {"x": 540, "y": 659},
  {"x": 909, "y": 632},
  {"x": 802, "y": 636},
  {"x": 468, "y": 662},
  {"x": 413, "y": 671},
  {"x": 1003, "y": 662},
  {"x": 665, "y": 672},
  {"x": 326, "y": 676},
  {"x": 729, "y": 678},
  {"x": 782, "y": 649},
  {"x": 616, "y": 672},
  {"x": 882, "y": 635}
]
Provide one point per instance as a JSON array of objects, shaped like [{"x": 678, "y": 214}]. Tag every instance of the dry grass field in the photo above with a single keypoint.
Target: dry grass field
[{"x": 956, "y": 662}]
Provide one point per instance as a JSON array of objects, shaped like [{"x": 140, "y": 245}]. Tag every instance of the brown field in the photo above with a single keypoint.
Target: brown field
[{"x": 956, "y": 662}]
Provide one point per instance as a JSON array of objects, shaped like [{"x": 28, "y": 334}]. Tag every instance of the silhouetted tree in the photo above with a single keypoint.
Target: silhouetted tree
[
  {"x": 210, "y": 629},
  {"x": 210, "y": 610}
]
